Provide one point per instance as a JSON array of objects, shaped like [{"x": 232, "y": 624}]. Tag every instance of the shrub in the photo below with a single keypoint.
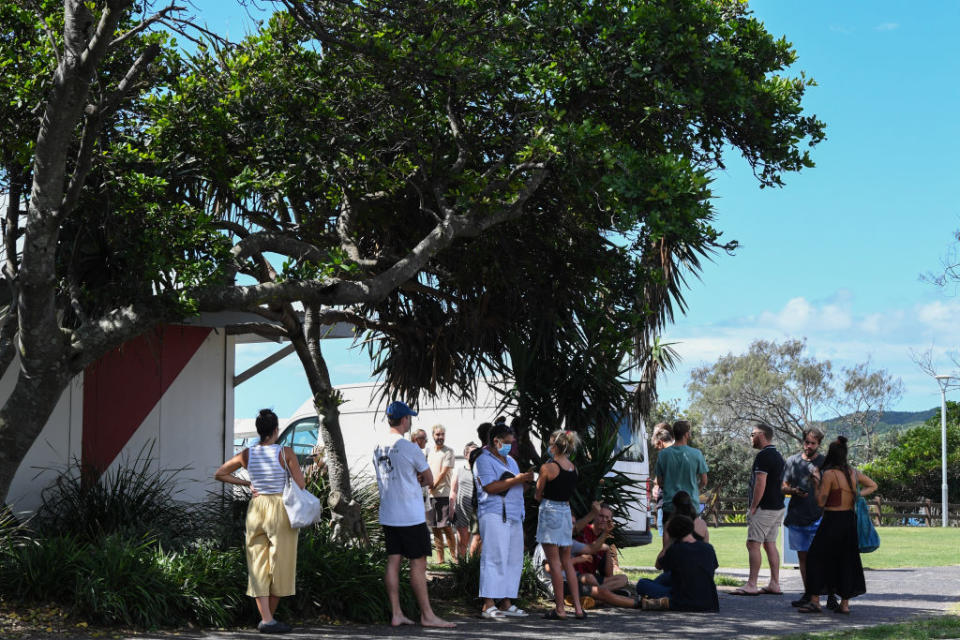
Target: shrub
[
  {"x": 41, "y": 570},
  {"x": 119, "y": 581},
  {"x": 343, "y": 581},
  {"x": 134, "y": 501},
  {"x": 100, "y": 556},
  {"x": 210, "y": 584},
  {"x": 12, "y": 532}
]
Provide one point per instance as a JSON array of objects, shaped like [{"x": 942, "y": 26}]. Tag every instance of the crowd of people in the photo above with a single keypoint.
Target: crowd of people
[{"x": 479, "y": 507}]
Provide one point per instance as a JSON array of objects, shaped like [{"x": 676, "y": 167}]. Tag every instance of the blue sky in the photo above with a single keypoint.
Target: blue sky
[{"x": 835, "y": 256}]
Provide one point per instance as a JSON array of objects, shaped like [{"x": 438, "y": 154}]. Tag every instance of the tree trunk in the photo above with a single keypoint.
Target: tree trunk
[
  {"x": 22, "y": 418},
  {"x": 347, "y": 514}
]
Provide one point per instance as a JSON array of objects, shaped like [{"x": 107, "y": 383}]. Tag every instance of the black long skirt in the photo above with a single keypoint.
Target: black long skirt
[{"x": 833, "y": 561}]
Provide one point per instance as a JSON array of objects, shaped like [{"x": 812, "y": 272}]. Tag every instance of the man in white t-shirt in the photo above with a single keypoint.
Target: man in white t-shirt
[{"x": 401, "y": 470}]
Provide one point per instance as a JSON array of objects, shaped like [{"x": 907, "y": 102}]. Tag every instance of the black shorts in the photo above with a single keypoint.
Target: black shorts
[{"x": 409, "y": 542}]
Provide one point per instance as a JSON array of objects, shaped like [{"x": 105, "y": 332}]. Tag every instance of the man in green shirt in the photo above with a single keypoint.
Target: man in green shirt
[{"x": 680, "y": 468}]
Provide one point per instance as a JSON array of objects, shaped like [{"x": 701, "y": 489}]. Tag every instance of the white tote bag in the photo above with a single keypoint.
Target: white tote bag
[{"x": 303, "y": 508}]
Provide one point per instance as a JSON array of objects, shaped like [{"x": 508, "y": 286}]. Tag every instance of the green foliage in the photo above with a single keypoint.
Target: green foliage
[
  {"x": 43, "y": 570},
  {"x": 344, "y": 582},
  {"x": 12, "y": 531},
  {"x": 911, "y": 469},
  {"x": 210, "y": 582},
  {"x": 121, "y": 550},
  {"x": 118, "y": 581},
  {"x": 136, "y": 500}
]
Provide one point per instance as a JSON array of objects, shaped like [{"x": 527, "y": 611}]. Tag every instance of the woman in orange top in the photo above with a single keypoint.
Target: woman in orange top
[{"x": 833, "y": 562}]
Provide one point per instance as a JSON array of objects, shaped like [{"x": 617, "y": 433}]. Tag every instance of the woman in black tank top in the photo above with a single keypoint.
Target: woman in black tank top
[{"x": 555, "y": 486}]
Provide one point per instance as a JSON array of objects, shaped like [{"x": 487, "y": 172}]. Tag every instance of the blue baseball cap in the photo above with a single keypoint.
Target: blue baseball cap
[{"x": 399, "y": 409}]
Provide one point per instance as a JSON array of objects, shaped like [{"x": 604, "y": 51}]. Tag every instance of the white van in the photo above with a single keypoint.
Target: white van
[{"x": 362, "y": 420}]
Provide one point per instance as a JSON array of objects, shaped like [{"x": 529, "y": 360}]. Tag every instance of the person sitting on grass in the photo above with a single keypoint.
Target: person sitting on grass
[
  {"x": 590, "y": 591},
  {"x": 600, "y": 568},
  {"x": 692, "y": 564}
]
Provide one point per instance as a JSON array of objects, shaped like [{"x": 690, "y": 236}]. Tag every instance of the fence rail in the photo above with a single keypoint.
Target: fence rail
[{"x": 732, "y": 510}]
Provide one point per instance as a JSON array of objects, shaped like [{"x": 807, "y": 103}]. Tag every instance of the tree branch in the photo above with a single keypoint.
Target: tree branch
[
  {"x": 156, "y": 17},
  {"x": 94, "y": 121}
]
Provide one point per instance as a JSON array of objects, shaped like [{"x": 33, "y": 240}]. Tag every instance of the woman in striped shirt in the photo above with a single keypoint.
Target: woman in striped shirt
[{"x": 271, "y": 541}]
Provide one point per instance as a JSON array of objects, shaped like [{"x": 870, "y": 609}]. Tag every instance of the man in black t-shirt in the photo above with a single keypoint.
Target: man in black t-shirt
[
  {"x": 765, "y": 513},
  {"x": 691, "y": 564}
]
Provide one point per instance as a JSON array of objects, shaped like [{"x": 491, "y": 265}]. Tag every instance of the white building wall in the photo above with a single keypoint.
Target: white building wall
[
  {"x": 188, "y": 428},
  {"x": 54, "y": 449}
]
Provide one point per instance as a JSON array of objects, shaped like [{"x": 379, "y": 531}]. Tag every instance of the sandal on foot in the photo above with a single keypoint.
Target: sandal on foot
[
  {"x": 839, "y": 610},
  {"x": 553, "y": 615},
  {"x": 514, "y": 612},
  {"x": 583, "y": 616},
  {"x": 810, "y": 608}
]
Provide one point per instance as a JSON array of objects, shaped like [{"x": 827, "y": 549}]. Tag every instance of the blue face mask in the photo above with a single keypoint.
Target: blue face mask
[{"x": 504, "y": 450}]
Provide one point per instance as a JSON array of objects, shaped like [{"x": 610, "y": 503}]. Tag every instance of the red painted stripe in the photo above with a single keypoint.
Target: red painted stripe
[{"x": 122, "y": 388}]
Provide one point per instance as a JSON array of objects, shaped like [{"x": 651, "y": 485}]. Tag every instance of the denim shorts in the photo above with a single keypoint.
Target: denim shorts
[
  {"x": 799, "y": 538},
  {"x": 554, "y": 523}
]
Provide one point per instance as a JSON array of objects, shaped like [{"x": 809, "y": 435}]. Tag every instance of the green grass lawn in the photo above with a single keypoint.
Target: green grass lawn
[
  {"x": 938, "y": 627},
  {"x": 899, "y": 547}
]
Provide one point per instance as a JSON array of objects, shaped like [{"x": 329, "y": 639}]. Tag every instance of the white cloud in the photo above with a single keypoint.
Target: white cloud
[
  {"x": 887, "y": 26},
  {"x": 833, "y": 331},
  {"x": 801, "y": 316},
  {"x": 940, "y": 316}
]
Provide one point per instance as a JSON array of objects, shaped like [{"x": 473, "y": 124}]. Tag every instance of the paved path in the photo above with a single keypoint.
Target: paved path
[{"x": 895, "y": 595}]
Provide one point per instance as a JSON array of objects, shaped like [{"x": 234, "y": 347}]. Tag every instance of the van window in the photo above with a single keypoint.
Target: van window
[
  {"x": 629, "y": 440},
  {"x": 302, "y": 437}
]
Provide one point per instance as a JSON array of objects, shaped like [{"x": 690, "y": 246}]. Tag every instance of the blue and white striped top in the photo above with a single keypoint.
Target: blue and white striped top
[{"x": 266, "y": 473}]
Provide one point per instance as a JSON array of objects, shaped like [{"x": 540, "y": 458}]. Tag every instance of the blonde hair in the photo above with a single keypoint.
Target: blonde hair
[
  {"x": 439, "y": 428},
  {"x": 662, "y": 433},
  {"x": 566, "y": 442}
]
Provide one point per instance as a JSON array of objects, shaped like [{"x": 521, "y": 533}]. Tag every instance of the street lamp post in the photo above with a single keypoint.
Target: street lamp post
[{"x": 943, "y": 381}]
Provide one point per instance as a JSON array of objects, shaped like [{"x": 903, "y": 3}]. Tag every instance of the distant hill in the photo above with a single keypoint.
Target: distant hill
[{"x": 891, "y": 421}]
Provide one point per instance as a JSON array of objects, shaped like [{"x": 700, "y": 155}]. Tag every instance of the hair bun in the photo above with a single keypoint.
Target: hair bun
[{"x": 842, "y": 439}]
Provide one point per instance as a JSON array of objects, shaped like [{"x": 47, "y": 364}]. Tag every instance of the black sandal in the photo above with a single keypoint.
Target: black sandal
[
  {"x": 810, "y": 608},
  {"x": 553, "y": 615},
  {"x": 580, "y": 616}
]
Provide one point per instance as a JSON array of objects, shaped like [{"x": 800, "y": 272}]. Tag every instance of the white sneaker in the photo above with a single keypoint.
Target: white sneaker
[
  {"x": 513, "y": 611},
  {"x": 493, "y": 612}
]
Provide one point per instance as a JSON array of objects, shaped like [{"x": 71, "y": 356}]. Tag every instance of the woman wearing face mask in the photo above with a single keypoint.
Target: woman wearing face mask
[{"x": 500, "y": 512}]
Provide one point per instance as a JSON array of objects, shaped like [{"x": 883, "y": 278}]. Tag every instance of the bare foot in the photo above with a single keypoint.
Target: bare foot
[
  {"x": 397, "y": 621},
  {"x": 434, "y": 621}
]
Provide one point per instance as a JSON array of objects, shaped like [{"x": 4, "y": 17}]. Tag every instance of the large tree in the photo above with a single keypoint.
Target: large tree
[
  {"x": 912, "y": 467},
  {"x": 782, "y": 385},
  {"x": 375, "y": 148},
  {"x": 82, "y": 212}
]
